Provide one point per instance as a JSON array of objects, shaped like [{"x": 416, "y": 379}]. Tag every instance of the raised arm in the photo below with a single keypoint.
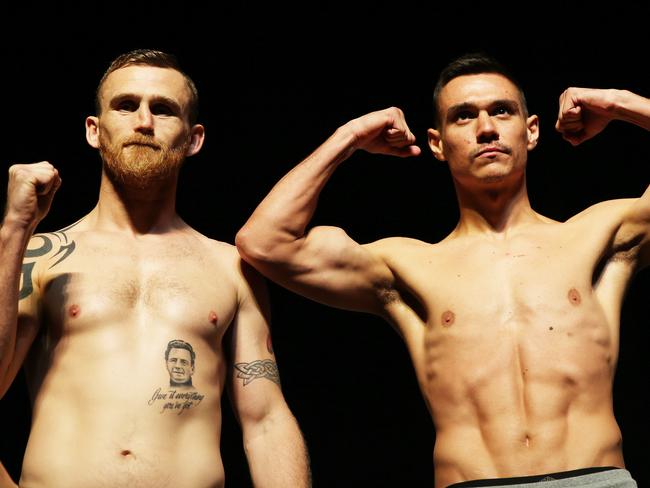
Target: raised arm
[
  {"x": 324, "y": 264},
  {"x": 274, "y": 446},
  {"x": 585, "y": 112},
  {"x": 29, "y": 196}
]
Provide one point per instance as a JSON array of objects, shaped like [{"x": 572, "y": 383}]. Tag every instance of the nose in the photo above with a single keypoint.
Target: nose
[
  {"x": 486, "y": 130},
  {"x": 144, "y": 121}
]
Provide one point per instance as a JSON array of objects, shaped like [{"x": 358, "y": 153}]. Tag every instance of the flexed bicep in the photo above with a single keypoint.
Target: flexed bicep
[{"x": 328, "y": 266}]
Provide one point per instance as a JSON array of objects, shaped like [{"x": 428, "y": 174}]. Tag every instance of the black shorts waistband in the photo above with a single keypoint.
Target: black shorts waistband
[{"x": 531, "y": 479}]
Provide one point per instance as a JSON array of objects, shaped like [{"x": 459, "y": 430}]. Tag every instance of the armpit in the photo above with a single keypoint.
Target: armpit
[{"x": 627, "y": 250}]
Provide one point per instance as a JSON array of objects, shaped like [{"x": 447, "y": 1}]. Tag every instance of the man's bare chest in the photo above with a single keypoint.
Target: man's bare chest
[
  {"x": 173, "y": 285},
  {"x": 519, "y": 281}
]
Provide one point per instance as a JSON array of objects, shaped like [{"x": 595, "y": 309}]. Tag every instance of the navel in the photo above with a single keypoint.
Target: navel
[
  {"x": 74, "y": 310},
  {"x": 126, "y": 453},
  {"x": 212, "y": 317},
  {"x": 574, "y": 296},
  {"x": 447, "y": 318}
]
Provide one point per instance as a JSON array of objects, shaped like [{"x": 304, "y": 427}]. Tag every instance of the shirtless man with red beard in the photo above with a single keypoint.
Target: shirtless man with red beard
[{"x": 98, "y": 312}]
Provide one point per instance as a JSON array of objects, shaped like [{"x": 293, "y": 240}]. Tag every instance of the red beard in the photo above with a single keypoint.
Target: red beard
[{"x": 139, "y": 160}]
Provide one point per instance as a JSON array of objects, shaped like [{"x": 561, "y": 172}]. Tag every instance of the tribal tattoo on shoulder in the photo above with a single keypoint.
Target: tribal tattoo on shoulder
[
  {"x": 262, "y": 368},
  {"x": 50, "y": 240}
]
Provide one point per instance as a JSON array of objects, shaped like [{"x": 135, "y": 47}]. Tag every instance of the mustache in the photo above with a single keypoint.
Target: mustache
[
  {"x": 493, "y": 145},
  {"x": 142, "y": 140}
]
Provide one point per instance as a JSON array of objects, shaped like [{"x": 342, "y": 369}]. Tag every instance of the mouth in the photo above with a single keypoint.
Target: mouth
[
  {"x": 141, "y": 144},
  {"x": 492, "y": 151}
]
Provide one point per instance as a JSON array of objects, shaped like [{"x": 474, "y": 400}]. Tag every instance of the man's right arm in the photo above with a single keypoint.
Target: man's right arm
[
  {"x": 324, "y": 264},
  {"x": 5, "y": 479},
  {"x": 29, "y": 196}
]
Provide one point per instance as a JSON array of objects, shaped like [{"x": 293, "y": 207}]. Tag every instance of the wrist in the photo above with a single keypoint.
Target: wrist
[
  {"x": 16, "y": 228},
  {"x": 346, "y": 140},
  {"x": 632, "y": 108}
]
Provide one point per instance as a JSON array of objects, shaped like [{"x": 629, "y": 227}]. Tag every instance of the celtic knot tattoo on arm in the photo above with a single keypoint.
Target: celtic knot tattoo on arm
[{"x": 265, "y": 368}]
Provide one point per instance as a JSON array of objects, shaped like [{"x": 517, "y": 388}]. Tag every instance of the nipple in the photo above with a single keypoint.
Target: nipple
[
  {"x": 213, "y": 317},
  {"x": 447, "y": 318},
  {"x": 574, "y": 296},
  {"x": 74, "y": 310}
]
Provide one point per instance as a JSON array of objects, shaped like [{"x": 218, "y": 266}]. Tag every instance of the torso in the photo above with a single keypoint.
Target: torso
[
  {"x": 515, "y": 345},
  {"x": 104, "y": 410}
]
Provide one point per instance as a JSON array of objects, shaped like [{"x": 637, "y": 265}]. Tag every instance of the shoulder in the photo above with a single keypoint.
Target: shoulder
[
  {"x": 247, "y": 278},
  {"x": 55, "y": 245},
  {"x": 400, "y": 252},
  {"x": 603, "y": 212},
  {"x": 391, "y": 245},
  {"x": 221, "y": 252}
]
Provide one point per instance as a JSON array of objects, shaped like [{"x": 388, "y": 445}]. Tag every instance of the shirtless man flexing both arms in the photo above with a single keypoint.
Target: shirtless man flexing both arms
[
  {"x": 512, "y": 320},
  {"x": 129, "y": 322}
]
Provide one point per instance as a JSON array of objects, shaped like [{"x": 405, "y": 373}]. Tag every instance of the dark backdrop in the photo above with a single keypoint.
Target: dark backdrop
[{"x": 274, "y": 82}]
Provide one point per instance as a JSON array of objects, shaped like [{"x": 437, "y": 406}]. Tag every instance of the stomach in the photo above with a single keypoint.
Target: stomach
[
  {"x": 515, "y": 404},
  {"x": 94, "y": 428},
  {"x": 503, "y": 447},
  {"x": 112, "y": 450}
]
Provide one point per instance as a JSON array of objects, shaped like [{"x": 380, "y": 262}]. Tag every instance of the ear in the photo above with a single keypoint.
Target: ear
[
  {"x": 435, "y": 144},
  {"x": 92, "y": 131},
  {"x": 532, "y": 129},
  {"x": 197, "y": 135}
]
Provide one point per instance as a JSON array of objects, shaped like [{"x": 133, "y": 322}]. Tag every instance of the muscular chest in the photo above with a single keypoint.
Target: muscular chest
[
  {"x": 527, "y": 306},
  {"x": 542, "y": 281}
]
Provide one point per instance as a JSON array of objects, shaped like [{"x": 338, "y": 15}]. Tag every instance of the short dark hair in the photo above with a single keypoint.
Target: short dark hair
[
  {"x": 151, "y": 57},
  {"x": 179, "y": 344},
  {"x": 472, "y": 64}
]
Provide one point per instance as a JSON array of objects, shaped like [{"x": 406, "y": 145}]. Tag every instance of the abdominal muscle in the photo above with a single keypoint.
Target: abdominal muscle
[{"x": 518, "y": 404}]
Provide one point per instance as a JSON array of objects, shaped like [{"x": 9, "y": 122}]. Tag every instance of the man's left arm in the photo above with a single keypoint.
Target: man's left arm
[
  {"x": 585, "y": 112},
  {"x": 5, "y": 478},
  {"x": 274, "y": 445}
]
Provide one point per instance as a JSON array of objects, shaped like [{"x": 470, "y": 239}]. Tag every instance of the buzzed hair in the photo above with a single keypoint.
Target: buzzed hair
[
  {"x": 158, "y": 59},
  {"x": 472, "y": 64}
]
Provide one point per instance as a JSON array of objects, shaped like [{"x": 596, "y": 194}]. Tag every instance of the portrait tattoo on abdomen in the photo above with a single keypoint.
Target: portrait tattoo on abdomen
[
  {"x": 180, "y": 361},
  {"x": 258, "y": 369}
]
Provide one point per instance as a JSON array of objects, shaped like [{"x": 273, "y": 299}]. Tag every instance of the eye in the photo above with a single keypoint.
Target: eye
[
  {"x": 502, "y": 110},
  {"x": 463, "y": 115},
  {"x": 127, "y": 106},
  {"x": 161, "y": 109}
]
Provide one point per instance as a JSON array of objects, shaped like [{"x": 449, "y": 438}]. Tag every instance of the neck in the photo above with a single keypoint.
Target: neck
[
  {"x": 137, "y": 210},
  {"x": 494, "y": 208}
]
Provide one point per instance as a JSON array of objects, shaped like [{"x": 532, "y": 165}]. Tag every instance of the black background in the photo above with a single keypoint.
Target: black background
[{"x": 275, "y": 80}]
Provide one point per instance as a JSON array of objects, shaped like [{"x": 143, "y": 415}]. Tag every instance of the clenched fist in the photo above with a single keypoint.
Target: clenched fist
[
  {"x": 584, "y": 112},
  {"x": 30, "y": 192}
]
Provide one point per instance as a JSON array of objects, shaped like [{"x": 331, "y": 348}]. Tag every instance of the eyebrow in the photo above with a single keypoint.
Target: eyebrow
[
  {"x": 155, "y": 99},
  {"x": 511, "y": 104}
]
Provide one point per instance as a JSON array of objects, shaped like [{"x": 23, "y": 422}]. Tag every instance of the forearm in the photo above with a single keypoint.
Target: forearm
[
  {"x": 276, "y": 453},
  {"x": 284, "y": 214},
  {"x": 632, "y": 108},
  {"x": 5, "y": 479},
  {"x": 13, "y": 242}
]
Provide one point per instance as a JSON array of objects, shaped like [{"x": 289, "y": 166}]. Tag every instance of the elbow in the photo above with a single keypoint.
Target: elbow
[{"x": 254, "y": 249}]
